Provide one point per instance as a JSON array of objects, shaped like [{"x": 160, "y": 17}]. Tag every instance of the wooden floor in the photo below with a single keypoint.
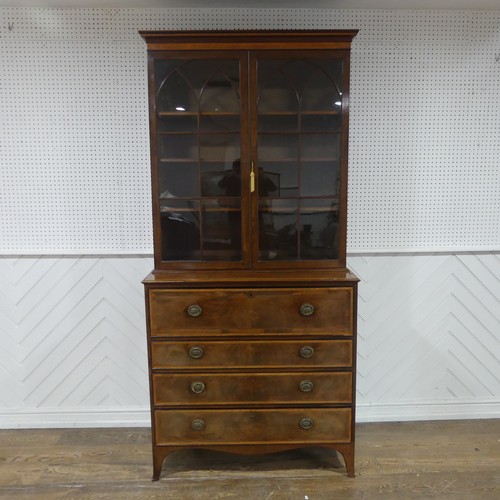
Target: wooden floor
[{"x": 445, "y": 460}]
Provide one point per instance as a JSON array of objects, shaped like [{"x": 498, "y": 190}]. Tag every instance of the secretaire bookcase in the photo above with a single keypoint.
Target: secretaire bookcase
[{"x": 251, "y": 311}]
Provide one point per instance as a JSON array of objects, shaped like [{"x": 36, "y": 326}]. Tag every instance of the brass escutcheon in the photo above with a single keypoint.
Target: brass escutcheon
[
  {"x": 196, "y": 352},
  {"x": 194, "y": 310},
  {"x": 306, "y": 386},
  {"x": 198, "y": 424},
  {"x": 197, "y": 387},
  {"x": 306, "y": 351},
  {"x": 307, "y": 309},
  {"x": 306, "y": 423}
]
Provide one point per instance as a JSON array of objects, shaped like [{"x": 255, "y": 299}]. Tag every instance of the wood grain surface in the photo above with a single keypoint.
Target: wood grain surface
[{"x": 443, "y": 460}]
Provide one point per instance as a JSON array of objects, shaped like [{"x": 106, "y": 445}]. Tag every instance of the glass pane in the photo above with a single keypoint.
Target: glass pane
[
  {"x": 220, "y": 147},
  {"x": 215, "y": 83},
  {"x": 320, "y": 146},
  {"x": 179, "y": 122},
  {"x": 177, "y": 147},
  {"x": 180, "y": 230},
  {"x": 279, "y": 122},
  {"x": 319, "y": 178},
  {"x": 219, "y": 179},
  {"x": 281, "y": 85},
  {"x": 276, "y": 90},
  {"x": 219, "y": 123},
  {"x": 278, "y": 147},
  {"x": 222, "y": 229},
  {"x": 179, "y": 205},
  {"x": 318, "y": 122},
  {"x": 298, "y": 131},
  {"x": 179, "y": 180},
  {"x": 198, "y": 71},
  {"x": 219, "y": 95},
  {"x": 278, "y": 179},
  {"x": 278, "y": 230},
  {"x": 199, "y": 123},
  {"x": 175, "y": 94},
  {"x": 321, "y": 93},
  {"x": 319, "y": 229}
]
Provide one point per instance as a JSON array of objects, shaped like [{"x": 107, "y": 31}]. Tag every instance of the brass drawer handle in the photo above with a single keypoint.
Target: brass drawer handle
[
  {"x": 307, "y": 309},
  {"x": 306, "y": 351},
  {"x": 306, "y": 423},
  {"x": 306, "y": 386},
  {"x": 197, "y": 387},
  {"x": 194, "y": 310},
  {"x": 198, "y": 424},
  {"x": 196, "y": 352}
]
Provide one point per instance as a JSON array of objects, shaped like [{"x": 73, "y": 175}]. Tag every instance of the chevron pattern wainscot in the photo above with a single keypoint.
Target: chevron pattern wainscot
[
  {"x": 73, "y": 341},
  {"x": 73, "y": 346},
  {"x": 429, "y": 336}
]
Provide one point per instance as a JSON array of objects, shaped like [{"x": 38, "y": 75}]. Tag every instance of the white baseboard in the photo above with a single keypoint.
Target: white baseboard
[
  {"x": 429, "y": 410},
  {"x": 58, "y": 418},
  {"x": 140, "y": 417}
]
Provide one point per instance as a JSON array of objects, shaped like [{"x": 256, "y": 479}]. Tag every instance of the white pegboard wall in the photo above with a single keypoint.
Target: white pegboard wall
[{"x": 74, "y": 150}]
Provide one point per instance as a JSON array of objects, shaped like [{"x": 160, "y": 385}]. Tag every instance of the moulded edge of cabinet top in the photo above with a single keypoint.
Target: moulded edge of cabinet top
[
  {"x": 251, "y": 278},
  {"x": 248, "y": 39}
]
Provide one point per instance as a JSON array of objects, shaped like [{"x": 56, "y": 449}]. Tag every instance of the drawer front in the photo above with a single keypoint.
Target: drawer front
[
  {"x": 222, "y": 427},
  {"x": 243, "y": 354},
  {"x": 279, "y": 311},
  {"x": 252, "y": 388}
]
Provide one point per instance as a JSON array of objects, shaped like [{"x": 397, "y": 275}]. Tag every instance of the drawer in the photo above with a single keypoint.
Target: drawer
[
  {"x": 254, "y": 353},
  {"x": 223, "y": 427},
  {"x": 252, "y": 388},
  {"x": 278, "y": 311}
]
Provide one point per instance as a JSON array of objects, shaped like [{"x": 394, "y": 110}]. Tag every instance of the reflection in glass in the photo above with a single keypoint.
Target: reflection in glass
[
  {"x": 181, "y": 122},
  {"x": 219, "y": 95},
  {"x": 179, "y": 180},
  {"x": 277, "y": 93},
  {"x": 175, "y": 94},
  {"x": 219, "y": 123},
  {"x": 230, "y": 182},
  {"x": 320, "y": 146},
  {"x": 278, "y": 230},
  {"x": 199, "y": 84},
  {"x": 319, "y": 122},
  {"x": 277, "y": 179},
  {"x": 278, "y": 147},
  {"x": 279, "y": 123},
  {"x": 218, "y": 180},
  {"x": 299, "y": 117},
  {"x": 177, "y": 147},
  {"x": 321, "y": 93},
  {"x": 219, "y": 147},
  {"x": 199, "y": 123},
  {"x": 319, "y": 178},
  {"x": 180, "y": 230},
  {"x": 319, "y": 226},
  {"x": 222, "y": 229}
]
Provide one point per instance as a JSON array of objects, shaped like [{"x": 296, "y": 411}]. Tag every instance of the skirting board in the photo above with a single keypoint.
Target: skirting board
[{"x": 444, "y": 410}]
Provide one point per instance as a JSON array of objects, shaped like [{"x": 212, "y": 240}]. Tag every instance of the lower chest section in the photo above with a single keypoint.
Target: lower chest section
[{"x": 251, "y": 365}]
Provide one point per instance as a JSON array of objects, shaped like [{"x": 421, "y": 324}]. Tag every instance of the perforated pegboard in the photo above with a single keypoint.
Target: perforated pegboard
[{"x": 74, "y": 150}]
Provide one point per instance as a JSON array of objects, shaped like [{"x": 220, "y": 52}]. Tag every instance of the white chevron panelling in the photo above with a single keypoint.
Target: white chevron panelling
[
  {"x": 72, "y": 333},
  {"x": 429, "y": 330},
  {"x": 73, "y": 338}
]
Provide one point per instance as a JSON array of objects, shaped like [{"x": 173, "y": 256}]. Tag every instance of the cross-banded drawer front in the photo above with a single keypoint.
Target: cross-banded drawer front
[
  {"x": 252, "y": 388},
  {"x": 280, "y": 311},
  {"x": 221, "y": 355},
  {"x": 293, "y": 425}
]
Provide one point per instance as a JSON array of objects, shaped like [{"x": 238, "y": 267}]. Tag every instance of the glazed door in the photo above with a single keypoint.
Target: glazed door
[
  {"x": 299, "y": 158},
  {"x": 199, "y": 130}
]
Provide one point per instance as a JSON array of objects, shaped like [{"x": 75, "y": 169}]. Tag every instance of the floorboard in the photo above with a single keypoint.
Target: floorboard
[{"x": 445, "y": 460}]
